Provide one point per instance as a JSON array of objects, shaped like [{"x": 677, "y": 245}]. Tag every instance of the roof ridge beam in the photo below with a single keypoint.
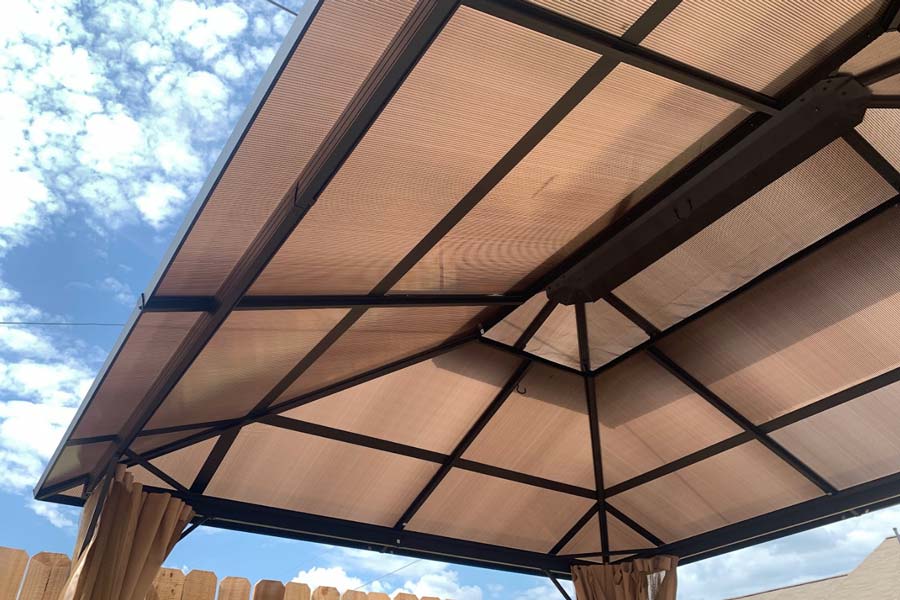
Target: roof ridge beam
[
  {"x": 253, "y": 302},
  {"x": 827, "y": 111}
]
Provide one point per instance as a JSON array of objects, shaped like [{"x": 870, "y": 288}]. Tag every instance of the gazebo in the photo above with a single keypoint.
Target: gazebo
[{"x": 553, "y": 287}]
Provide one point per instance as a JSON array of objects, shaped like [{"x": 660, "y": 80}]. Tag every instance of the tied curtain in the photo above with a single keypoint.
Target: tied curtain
[
  {"x": 124, "y": 536},
  {"x": 639, "y": 579}
]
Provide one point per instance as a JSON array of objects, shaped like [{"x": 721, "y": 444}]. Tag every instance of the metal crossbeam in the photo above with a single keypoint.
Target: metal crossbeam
[
  {"x": 622, "y": 49},
  {"x": 463, "y": 445},
  {"x": 590, "y": 393},
  {"x": 829, "y": 110},
  {"x": 208, "y": 303},
  {"x": 415, "y": 36}
]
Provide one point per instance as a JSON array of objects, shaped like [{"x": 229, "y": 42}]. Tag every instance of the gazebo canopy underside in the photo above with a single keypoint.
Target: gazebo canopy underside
[{"x": 352, "y": 339}]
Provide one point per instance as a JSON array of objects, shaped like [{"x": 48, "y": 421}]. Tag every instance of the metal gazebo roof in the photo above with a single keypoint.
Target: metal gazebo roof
[{"x": 522, "y": 284}]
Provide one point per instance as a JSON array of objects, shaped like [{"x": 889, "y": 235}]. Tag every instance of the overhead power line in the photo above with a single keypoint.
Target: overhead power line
[
  {"x": 281, "y": 6},
  {"x": 62, "y": 323}
]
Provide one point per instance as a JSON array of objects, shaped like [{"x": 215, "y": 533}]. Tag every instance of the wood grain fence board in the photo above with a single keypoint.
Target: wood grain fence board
[
  {"x": 46, "y": 576},
  {"x": 297, "y": 591},
  {"x": 167, "y": 585},
  {"x": 199, "y": 585},
  {"x": 268, "y": 589},
  {"x": 234, "y": 588},
  {"x": 378, "y": 596},
  {"x": 326, "y": 593},
  {"x": 405, "y": 596},
  {"x": 12, "y": 568},
  {"x": 354, "y": 595}
]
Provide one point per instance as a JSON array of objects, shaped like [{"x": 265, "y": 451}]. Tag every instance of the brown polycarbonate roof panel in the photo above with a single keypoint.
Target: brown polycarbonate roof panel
[
  {"x": 332, "y": 478},
  {"x": 340, "y": 47},
  {"x": 480, "y": 86},
  {"x": 586, "y": 540},
  {"x": 145, "y": 477},
  {"x": 557, "y": 338},
  {"x": 884, "y": 49},
  {"x": 649, "y": 418},
  {"x": 144, "y": 443},
  {"x": 831, "y": 188},
  {"x": 881, "y": 127},
  {"x": 889, "y": 86},
  {"x": 728, "y": 488},
  {"x": 496, "y": 511},
  {"x": 149, "y": 347},
  {"x": 382, "y": 336},
  {"x": 542, "y": 429},
  {"x": 610, "y": 333},
  {"x": 614, "y": 16},
  {"x": 623, "y": 537},
  {"x": 581, "y": 177},
  {"x": 761, "y": 44},
  {"x": 77, "y": 460},
  {"x": 514, "y": 325},
  {"x": 246, "y": 357},
  {"x": 853, "y": 443},
  {"x": 822, "y": 325},
  {"x": 74, "y": 492},
  {"x": 184, "y": 464},
  {"x": 428, "y": 405}
]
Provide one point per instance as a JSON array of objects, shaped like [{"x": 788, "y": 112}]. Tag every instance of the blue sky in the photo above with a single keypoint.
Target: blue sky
[{"x": 111, "y": 115}]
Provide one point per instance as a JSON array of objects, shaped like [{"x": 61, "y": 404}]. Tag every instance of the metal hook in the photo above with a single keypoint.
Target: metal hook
[{"x": 522, "y": 391}]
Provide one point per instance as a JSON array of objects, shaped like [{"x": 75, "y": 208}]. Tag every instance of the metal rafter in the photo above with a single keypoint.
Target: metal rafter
[
  {"x": 754, "y": 431},
  {"x": 463, "y": 445},
  {"x": 621, "y": 49},
  {"x": 590, "y": 393},
  {"x": 208, "y": 303},
  {"x": 414, "y": 37}
]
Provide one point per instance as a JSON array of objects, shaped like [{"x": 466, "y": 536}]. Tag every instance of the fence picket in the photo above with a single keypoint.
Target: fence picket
[
  {"x": 12, "y": 568},
  {"x": 268, "y": 589},
  {"x": 167, "y": 585},
  {"x": 326, "y": 593},
  {"x": 234, "y": 588},
  {"x": 296, "y": 591},
  {"x": 199, "y": 585},
  {"x": 46, "y": 576}
]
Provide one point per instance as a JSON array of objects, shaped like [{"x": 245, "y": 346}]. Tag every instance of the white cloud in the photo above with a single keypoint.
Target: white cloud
[
  {"x": 121, "y": 291},
  {"x": 328, "y": 576},
  {"x": 42, "y": 381},
  {"x": 65, "y": 517},
  {"x": 98, "y": 100},
  {"x": 822, "y": 552},
  {"x": 160, "y": 203}
]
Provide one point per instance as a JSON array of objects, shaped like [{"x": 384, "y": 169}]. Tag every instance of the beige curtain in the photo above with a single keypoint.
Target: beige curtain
[
  {"x": 132, "y": 534},
  {"x": 639, "y": 579}
]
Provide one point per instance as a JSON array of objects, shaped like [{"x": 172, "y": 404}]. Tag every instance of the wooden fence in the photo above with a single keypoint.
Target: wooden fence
[{"x": 43, "y": 577}]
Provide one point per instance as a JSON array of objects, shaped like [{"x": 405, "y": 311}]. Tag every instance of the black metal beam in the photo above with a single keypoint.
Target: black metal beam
[
  {"x": 590, "y": 393},
  {"x": 558, "y": 585},
  {"x": 758, "y": 280},
  {"x": 740, "y": 420},
  {"x": 463, "y": 444},
  {"x": 240, "y": 516},
  {"x": 535, "y": 325},
  {"x": 528, "y": 355},
  {"x": 547, "y": 22},
  {"x": 171, "y": 481},
  {"x": 574, "y": 529},
  {"x": 879, "y": 73},
  {"x": 873, "y": 157},
  {"x": 793, "y": 519},
  {"x": 828, "y": 111},
  {"x": 216, "y": 428},
  {"x": 424, "y": 23},
  {"x": 208, "y": 304},
  {"x": 885, "y": 101}
]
